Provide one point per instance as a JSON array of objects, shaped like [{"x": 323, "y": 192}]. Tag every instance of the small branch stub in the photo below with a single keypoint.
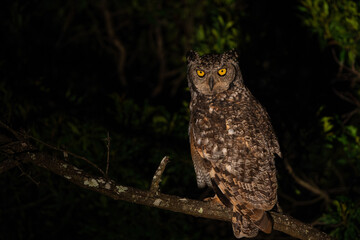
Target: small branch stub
[{"x": 157, "y": 176}]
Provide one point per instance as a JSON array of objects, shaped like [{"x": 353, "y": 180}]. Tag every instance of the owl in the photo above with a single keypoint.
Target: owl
[{"x": 233, "y": 144}]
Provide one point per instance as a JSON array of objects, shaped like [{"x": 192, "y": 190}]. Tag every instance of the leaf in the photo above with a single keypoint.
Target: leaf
[
  {"x": 342, "y": 56},
  {"x": 325, "y": 9},
  {"x": 73, "y": 128},
  {"x": 159, "y": 119},
  {"x": 352, "y": 21},
  {"x": 303, "y": 9},
  {"x": 327, "y": 125},
  {"x": 352, "y": 130},
  {"x": 229, "y": 25},
  {"x": 352, "y": 56},
  {"x": 200, "y": 33},
  {"x": 221, "y": 20},
  {"x": 328, "y": 219},
  {"x": 215, "y": 33}
]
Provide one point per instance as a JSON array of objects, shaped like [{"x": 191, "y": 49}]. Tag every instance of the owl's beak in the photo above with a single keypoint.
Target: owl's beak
[{"x": 211, "y": 83}]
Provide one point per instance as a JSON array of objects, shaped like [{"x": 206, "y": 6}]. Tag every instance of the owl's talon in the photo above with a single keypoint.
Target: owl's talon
[{"x": 215, "y": 199}]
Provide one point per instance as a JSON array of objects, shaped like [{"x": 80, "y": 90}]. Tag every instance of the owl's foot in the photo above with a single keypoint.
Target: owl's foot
[
  {"x": 215, "y": 199},
  {"x": 279, "y": 209}
]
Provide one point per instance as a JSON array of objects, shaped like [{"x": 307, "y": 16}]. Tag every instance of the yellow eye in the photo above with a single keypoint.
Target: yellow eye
[
  {"x": 200, "y": 73},
  {"x": 222, "y": 72}
]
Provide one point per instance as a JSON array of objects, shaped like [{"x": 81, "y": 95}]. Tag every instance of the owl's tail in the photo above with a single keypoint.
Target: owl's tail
[
  {"x": 242, "y": 227},
  {"x": 248, "y": 226}
]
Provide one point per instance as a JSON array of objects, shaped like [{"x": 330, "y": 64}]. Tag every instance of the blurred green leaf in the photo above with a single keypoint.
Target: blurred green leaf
[{"x": 327, "y": 125}]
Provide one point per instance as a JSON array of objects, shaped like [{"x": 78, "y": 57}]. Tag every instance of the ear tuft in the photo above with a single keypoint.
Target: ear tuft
[
  {"x": 233, "y": 54},
  {"x": 191, "y": 56}
]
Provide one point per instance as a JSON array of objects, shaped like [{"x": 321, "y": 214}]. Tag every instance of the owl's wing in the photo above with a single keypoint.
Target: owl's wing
[
  {"x": 201, "y": 166},
  {"x": 248, "y": 171},
  {"x": 242, "y": 174},
  {"x": 258, "y": 192},
  {"x": 249, "y": 200},
  {"x": 267, "y": 129}
]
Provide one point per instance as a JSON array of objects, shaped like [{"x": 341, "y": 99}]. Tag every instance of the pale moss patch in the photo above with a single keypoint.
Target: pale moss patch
[
  {"x": 64, "y": 165},
  {"x": 201, "y": 210},
  {"x": 121, "y": 189},
  {"x": 107, "y": 186},
  {"x": 157, "y": 202},
  {"x": 91, "y": 182},
  {"x": 101, "y": 181},
  {"x": 67, "y": 177}
]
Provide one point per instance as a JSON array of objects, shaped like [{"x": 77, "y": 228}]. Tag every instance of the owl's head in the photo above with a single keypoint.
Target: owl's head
[{"x": 211, "y": 74}]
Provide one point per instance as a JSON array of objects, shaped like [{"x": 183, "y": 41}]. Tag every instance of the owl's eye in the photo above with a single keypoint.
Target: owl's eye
[
  {"x": 222, "y": 72},
  {"x": 200, "y": 73}
]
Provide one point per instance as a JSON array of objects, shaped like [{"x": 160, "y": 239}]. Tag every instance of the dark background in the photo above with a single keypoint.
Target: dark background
[{"x": 71, "y": 71}]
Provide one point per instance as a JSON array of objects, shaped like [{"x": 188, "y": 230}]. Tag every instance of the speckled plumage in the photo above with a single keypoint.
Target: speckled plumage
[{"x": 232, "y": 142}]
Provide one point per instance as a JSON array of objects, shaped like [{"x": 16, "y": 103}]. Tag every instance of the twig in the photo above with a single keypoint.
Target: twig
[
  {"x": 342, "y": 66},
  {"x": 115, "y": 41},
  {"x": 25, "y": 145},
  {"x": 176, "y": 83},
  {"x": 349, "y": 98},
  {"x": 157, "y": 176},
  {"x": 300, "y": 203},
  {"x": 161, "y": 59},
  {"x": 348, "y": 116},
  {"x": 15, "y": 133},
  {"x": 27, "y": 175},
  {"x": 107, "y": 140},
  {"x": 308, "y": 186},
  {"x": 67, "y": 152}
]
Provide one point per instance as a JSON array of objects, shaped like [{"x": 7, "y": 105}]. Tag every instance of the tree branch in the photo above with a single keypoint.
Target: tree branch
[
  {"x": 343, "y": 66},
  {"x": 304, "y": 184},
  {"x": 7, "y": 165},
  {"x": 22, "y": 151},
  {"x": 115, "y": 40}
]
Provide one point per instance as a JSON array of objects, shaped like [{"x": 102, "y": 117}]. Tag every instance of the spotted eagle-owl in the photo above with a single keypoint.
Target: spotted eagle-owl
[{"x": 233, "y": 144}]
